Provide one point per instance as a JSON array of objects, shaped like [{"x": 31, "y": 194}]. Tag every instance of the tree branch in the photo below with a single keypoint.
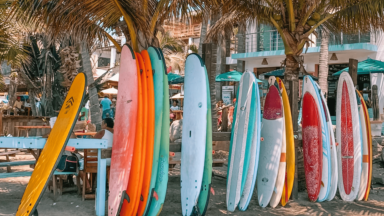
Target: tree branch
[
  {"x": 305, "y": 18},
  {"x": 291, "y": 15},
  {"x": 288, "y": 49},
  {"x": 130, "y": 24},
  {"x": 306, "y": 35},
  {"x": 156, "y": 15},
  {"x": 117, "y": 45}
]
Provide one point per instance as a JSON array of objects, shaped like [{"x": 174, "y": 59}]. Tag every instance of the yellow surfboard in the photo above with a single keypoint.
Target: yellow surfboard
[
  {"x": 290, "y": 155},
  {"x": 54, "y": 147}
]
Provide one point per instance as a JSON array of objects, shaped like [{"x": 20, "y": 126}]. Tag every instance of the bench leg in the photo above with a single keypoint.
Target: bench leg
[
  {"x": 78, "y": 184},
  {"x": 54, "y": 183},
  {"x": 7, "y": 158},
  {"x": 61, "y": 185}
]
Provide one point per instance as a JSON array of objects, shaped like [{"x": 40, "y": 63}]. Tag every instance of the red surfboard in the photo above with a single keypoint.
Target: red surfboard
[
  {"x": 125, "y": 130},
  {"x": 347, "y": 151},
  {"x": 312, "y": 146}
]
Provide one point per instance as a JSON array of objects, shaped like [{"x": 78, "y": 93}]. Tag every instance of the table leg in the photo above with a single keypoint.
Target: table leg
[{"x": 101, "y": 183}]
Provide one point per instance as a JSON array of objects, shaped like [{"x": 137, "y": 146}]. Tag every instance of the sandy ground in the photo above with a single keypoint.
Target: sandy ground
[{"x": 11, "y": 191}]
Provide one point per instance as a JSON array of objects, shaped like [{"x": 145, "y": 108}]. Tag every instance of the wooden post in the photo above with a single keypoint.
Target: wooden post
[
  {"x": 293, "y": 94},
  {"x": 224, "y": 119},
  {"x": 353, "y": 70}
]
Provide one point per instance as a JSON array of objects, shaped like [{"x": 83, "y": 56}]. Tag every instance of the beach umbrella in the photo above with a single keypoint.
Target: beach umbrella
[
  {"x": 110, "y": 91},
  {"x": 231, "y": 76},
  {"x": 175, "y": 79},
  {"x": 177, "y": 96}
]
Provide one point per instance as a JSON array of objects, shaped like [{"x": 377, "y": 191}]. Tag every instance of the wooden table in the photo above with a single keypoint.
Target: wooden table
[
  {"x": 28, "y": 128},
  {"x": 85, "y": 133},
  {"x": 178, "y": 113}
]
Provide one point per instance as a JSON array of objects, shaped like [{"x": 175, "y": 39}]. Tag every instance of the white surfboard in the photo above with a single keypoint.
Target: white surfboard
[
  {"x": 194, "y": 133},
  {"x": 334, "y": 174},
  {"x": 278, "y": 190},
  {"x": 244, "y": 149},
  {"x": 365, "y": 165},
  {"x": 270, "y": 145},
  {"x": 348, "y": 139}
]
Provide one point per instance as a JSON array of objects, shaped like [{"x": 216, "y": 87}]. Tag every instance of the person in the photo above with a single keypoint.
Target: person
[
  {"x": 18, "y": 106},
  {"x": 175, "y": 105},
  {"x": 106, "y": 131},
  {"x": 28, "y": 106},
  {"x": 106, "y": 106}
]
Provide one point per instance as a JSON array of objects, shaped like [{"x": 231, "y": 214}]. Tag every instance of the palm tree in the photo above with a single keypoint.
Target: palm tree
[{"x": 323, "y": 62}]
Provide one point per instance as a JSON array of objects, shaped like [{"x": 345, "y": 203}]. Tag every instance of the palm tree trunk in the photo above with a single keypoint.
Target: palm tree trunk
[
  {"x": 48, "y": 88},
  {"x": 323, "y": 61},
  {"x": 203, "y": 33},
  {"x": 92, "y": 91}
]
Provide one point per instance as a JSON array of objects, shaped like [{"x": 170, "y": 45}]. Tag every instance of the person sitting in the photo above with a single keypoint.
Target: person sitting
[
  {"x": 28, "y": 106},
  {"x": 18, "y": 106},
  {"x": 106, "y": 132},
  {"x": 175, "y": 105}
]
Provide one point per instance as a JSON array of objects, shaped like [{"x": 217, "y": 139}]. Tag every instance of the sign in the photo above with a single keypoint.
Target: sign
[{"x": 227, "y": 94}]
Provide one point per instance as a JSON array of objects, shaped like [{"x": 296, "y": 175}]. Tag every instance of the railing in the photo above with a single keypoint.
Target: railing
[{"x": 271, "y": 41}]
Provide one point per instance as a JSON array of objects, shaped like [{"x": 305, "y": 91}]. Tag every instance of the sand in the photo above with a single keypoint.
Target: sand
[{"x": 11, "y": 191}]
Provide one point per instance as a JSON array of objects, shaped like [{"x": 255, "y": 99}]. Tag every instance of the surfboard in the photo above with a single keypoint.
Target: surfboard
[
  {"x": 150, "y": 134},
  {"x": 125, "y": 130},
  {"x": 207, "y": 174},
  {"x": 290, "y": 146},
  {"x": 162, "y": 174},
  {"x": 241, "y": 143},
  {"x": 250, "y": 176},
  {"x": 334, "y": 171},
  {"x": 312, "y": 140},
  {"x": 348, "y": 138},
  {"x": 367, "y": 157},
  {"x": 311, "y": 86},
  {"x": 365, "y": 148},
  {"x": 158, "y": 83},
  {"x": 136, "y": 177},
  {"x": 194, "y": 133},
  {"x": 54, "y": 147},
  {"x": 270, "y": 145}
]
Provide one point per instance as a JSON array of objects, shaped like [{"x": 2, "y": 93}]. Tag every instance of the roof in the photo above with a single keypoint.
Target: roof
[{"x": 366, "y": 67}]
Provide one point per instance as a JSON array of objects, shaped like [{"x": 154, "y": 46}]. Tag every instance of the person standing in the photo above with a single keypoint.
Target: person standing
[
  {"x": 106, "y": 106},
  {"x": 18, "y": 106}
]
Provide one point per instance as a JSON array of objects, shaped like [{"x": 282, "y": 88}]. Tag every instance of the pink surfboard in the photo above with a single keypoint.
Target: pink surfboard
[
  {"x": 312, "y": 145},
  {"x": 125, "y": 130}
]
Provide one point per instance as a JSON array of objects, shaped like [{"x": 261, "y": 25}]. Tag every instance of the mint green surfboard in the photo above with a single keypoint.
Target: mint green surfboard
[
  {"x": 158, "y": 82},
  {"x": 157, "y": 201},
  {"x": 207, "y": 175}
]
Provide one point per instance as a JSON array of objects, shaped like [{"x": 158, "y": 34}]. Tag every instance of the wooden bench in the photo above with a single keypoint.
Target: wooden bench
[
  {"x": 8, "y": 154},
  {"x": 56, "y": 175}
]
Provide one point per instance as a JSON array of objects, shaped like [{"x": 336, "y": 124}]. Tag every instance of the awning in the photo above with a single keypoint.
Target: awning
[
  {"x": 177, "y": 96},
  {"x": 110, "y": 91},
  {"x": 175, "y": 78},
  {"x": 280, "y": 73},
  {"x": 365, "y": 67},
  {"x": 231, "y": 76}
]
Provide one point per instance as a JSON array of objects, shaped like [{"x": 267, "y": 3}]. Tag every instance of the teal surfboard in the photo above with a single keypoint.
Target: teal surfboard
[
  {"x": 203, "y": 200},
  {"x": 158, "y": 82},
  {"x": 156, "y": 203}
]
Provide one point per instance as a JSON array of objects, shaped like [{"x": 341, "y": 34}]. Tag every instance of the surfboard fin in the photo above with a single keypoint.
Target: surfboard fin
[
  {"x": 155, "y": 195},
  {"x": 35, "y": 213},
  {"x": 212, "y": 191},
  {"x": 124, "y": 197}
]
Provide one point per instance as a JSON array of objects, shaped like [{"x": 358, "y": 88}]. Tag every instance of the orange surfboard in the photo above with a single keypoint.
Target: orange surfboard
[
  {"x": 150, "y": 133},
  {"x": 137, "y": 168}
]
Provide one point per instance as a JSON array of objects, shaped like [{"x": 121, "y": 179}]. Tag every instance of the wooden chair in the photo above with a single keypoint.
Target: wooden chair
[{"x": 90, "y": 168}]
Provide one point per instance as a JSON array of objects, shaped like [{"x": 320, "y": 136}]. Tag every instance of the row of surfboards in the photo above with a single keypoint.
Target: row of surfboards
[
  {"x": 140, "y": 152},
  {"x": 345, "y": 162},
  {"x": 262, "y": 147},
  {"x": 262, "y": 150}
]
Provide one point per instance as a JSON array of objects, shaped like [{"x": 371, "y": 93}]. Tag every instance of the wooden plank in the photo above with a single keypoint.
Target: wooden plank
[
  {"x": 17, "y": 163},
  {"x": 9, "y": 152},
  {"x": 15, "y": 174},
  {"x": 221, "y": 136},
  {"x": 353, "y": 70}
]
